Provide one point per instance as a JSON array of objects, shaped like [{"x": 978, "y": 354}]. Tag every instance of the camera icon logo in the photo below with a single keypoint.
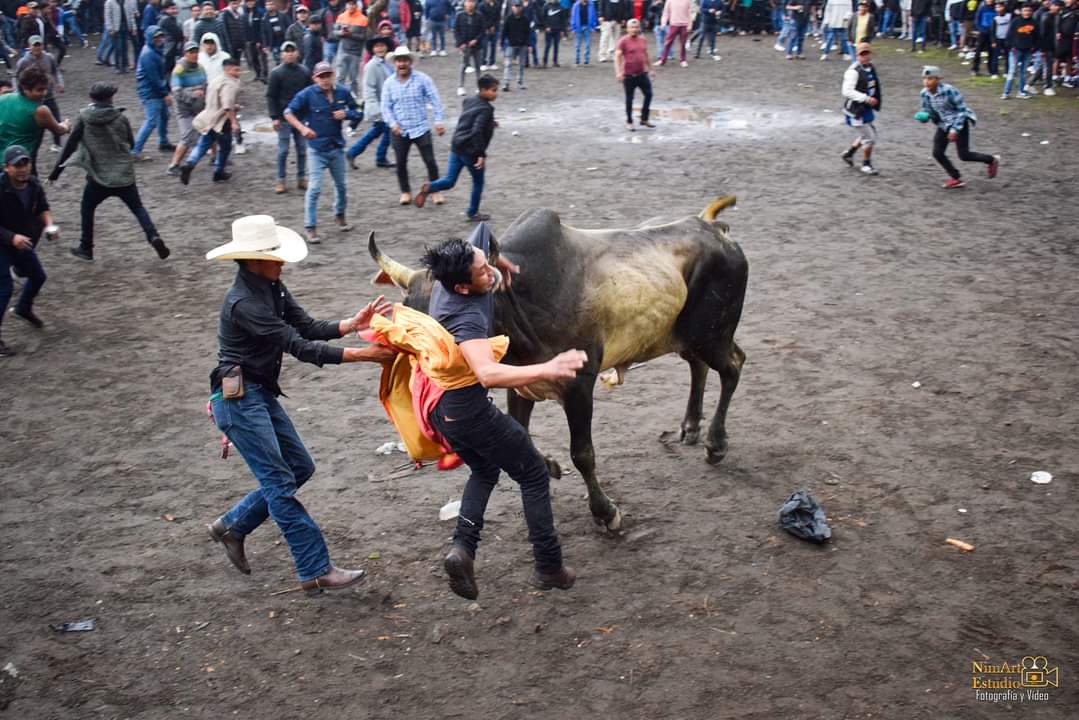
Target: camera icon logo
[{"x": 1037, "y": 674}]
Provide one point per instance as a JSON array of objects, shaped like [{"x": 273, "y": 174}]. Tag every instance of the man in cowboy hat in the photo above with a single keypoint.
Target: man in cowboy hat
[
  {"x": 405, "y": 98},
  {"x": 317, "y": 112},
  {"x": 259, "y": 321}
]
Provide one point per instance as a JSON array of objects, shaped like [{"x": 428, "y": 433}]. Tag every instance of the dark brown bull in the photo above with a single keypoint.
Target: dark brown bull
[{"x": 623, "y": 296}]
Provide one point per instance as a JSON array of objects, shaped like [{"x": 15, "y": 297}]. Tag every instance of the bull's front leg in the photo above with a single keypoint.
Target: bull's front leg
[
  {"x": 577, "y": 403},
  {"x": 521, "y": 410}
]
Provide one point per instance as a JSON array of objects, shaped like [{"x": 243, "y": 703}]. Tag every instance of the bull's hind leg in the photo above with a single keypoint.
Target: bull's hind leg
[
  {"x": 691, "y": 423},
  {"x": 729, "y": 366},
  {"x": 577, "y": 403},
  {"x": 521, "y": 410}
]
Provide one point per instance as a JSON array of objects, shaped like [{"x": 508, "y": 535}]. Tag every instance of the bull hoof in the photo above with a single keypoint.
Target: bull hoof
[
  {"x": 613, "y": 524},
  {"x": 715, "y": 457},
  {"x": 553, "y": 468},
  {"x": 690, "y": 436}
]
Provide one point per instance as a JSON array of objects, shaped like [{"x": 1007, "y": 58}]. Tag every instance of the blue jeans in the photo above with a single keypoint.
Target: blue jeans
[
  {"x": 71, "y": 26},
  {"x": 330, "y": 52},
  {"x": 258, "y": 427},
  {"x": 119, "y": 49},
  {"x": 583, "y": 38},
  {"x": 887, "y": 22},
  {"x": 283, "y": 135},
  {"x": 520, "y": 54},
  {"x": 157, "y": 115},
  {"x": 104, "y": 48},
  {"x": 778, "y": 21},
  {"x": 661, "y": 38},
  {"x": 224, "y": 147},
  {"x": 334, "y": 160},
  {"x": 489, "y": 52},
  {"x": 456, "y": 164},
  {"x": 954, "y": 30},
  {"x": 840, "y": 36},
  {"x": 27, "y": 264},
  {"x": 438, "y": 36},
  {"x": 377, "y": 128},
  {"x": 796, "y": 38},
  {"x": 920, "y": 25},
  {"x": 1017, "y": 66},
  {"x": 489, "y": 442}
]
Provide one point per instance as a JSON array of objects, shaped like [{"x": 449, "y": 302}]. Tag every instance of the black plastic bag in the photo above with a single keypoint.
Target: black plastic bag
[{"x": 802, "y": 517}]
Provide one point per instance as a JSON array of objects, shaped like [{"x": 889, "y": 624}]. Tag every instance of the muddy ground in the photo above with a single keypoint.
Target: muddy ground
[{"x": 702, "y": 608}]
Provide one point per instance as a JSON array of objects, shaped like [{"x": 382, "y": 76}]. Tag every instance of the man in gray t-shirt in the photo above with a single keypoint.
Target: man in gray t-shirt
[{"x": 485, "y": 438}]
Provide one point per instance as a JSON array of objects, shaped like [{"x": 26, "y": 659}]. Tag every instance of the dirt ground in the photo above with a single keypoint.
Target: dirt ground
[{"x": 702, "y": 608}]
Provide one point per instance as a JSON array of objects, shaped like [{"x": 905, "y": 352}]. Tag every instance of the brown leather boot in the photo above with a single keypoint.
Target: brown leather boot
[
  {"x": 279, "y": 187},
  {"x": 335, "y": 579},
  {"x": 563, "y": 579},
  {"x": 458, "y": 565},
  {"x": 234, "y": 545}
]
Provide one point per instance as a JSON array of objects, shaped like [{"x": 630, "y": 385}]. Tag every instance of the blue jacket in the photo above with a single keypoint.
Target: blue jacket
[
  {"x": 575, "y": 17},
  {"x": 149, "y": 17},
  {"x": 438, "y": 10},
  {"x": 709, "y": 20},
  {"x": 983, "y": 18},
  {"x": 316, "y": 112},
  {"x": 150, "y": 80}
]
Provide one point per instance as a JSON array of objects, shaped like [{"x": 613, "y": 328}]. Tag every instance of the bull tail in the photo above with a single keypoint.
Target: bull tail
[{"x": 717, "y": 206}]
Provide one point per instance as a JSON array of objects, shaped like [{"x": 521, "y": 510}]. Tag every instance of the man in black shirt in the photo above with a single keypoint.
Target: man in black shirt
[
  {"x": 287, "y": 79},
  {"x": 259, "y": 321},
  {"x": 489, "y": 441}
]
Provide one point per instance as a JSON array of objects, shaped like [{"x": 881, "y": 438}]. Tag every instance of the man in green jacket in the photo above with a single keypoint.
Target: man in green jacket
[
  {"x": 103, "y": 138},
  {"x": 23, "y": 118}
]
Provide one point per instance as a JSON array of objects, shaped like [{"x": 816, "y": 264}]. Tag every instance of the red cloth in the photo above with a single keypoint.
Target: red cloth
[{"x": 634, "y": 51}]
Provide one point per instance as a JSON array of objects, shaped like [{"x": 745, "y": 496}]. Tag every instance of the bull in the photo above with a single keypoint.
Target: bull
[{"x": 623, "y": 296}]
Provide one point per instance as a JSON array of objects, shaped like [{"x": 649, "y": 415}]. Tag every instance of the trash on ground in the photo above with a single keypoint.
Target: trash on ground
[
  {"x": 802, "y": 517},
  {"x": 962, "y": 510},
  {"x": 1044, "y": 142},
  {"x": 964, "y": 546},
  {"x": 85, "y": 625},
  {"x": 1024, "y": 134},
  {"x": 915, "y": 384},
  {"x": 450, "y": 510},
  {"x": 1041, "y": 477},
  {"x": 387, "y": 448},
  {"x": 11, "y": 670}
]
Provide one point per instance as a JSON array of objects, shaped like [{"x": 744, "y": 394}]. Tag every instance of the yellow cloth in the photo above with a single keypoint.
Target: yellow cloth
[
  {"x": 438, "y": 356},
  {"x": 426, "y": 348}
]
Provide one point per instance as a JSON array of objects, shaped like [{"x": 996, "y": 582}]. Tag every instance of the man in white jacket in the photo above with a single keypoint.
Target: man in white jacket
[{"x": 861, "y": 102}]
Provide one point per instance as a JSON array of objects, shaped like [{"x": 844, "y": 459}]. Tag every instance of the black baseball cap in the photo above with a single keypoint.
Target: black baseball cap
[{"x": 15, "y": 154}]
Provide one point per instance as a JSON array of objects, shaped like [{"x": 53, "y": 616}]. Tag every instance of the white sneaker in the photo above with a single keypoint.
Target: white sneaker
[
  {"x": 657, "y": 63},
  {"x": 469, "y": 69},
  {"x": 823, "y": 58},
  {"x": 460, "y": 91},
  {"x": 482, "y": 68},
  {"x": 994, "y": 77},
  {"x": 778, "y": 48},
  {"x": 1050, "y": 92},
  {"x": 1004, "y": 96},
  {"x": 241, "y": 148},
  {"x": 684, "y": 64},
  {"x": 848, "y": 57},
  {"x": 56, "y": 148},
  {"x": 869, "y": 169},
  {"x": 442, "y": 53},
  {"x": 953, "y": 46},
  {"x": 492, "y": 67},
  {"x": 717, "y": 58}
]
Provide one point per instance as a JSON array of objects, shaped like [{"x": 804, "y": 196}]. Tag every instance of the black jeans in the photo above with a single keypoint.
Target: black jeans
[
  {"x": 94, "y": 194},
  {"x": 551, "y": 40},
  {"x": 50, "y": 103},
  {"x": 962, "y": 146},
  {"x": 489, "y": 442},
  {"x": 630, "y": 84},
  {"x": 27, "y": 265},
  {"x": 401, "y": 146}
]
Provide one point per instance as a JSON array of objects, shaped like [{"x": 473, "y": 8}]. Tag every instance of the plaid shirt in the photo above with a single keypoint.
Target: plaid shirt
[
  {"x": 404, "y": 105},
  {"x": 947, "y": 108}
]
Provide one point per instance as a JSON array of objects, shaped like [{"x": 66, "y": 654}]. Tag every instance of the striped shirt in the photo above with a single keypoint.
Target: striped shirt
[
  {"x": 947, "y": 108},
  {"x": 404, "y": 104}
]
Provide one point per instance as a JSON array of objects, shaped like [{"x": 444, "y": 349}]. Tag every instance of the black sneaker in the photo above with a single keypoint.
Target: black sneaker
[
  {"x": 28, "y": 316},
  {"x": 185, "y": 173},
  {"x": 386, "y": 164},
  {"x": 6, "y": 350},
  {"x": 458, "y": 566},
  {"x": 83, "y": 253},
  {"x": 159, "y": 247},
  {"x": 479, "y": 217},
  {"x": 848, "y": 157},
  {"x": 221, "y": 176},
  {"x": 166, "y": 147},
  {"x": 352, "y": 161}
]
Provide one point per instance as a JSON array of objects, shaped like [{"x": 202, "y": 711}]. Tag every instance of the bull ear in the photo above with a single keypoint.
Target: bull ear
[
  {"x": 394, "y": 272},
  {"x": 492, "y": 257},
  {"x": 381, "y": 278}
]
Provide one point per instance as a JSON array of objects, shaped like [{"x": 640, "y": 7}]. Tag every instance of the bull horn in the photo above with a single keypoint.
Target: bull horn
[
  {"x": 400, "y": 274},
  {"x": 717, "y": 206}
]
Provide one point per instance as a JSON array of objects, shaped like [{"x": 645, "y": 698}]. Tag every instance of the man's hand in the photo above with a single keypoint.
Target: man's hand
[
  {"x": 479, "y": 163},
  {"x": 872, "y": 102},
  {"x": 440, "y": 129},
  {"x": 564, "y": 365},
  {"x": 461, "y": 47},
  {"x": 507, "y": 268},
  {"x": 396, "y": 130},
  {"x": 168, "y": 99},
  {"x": 198, "y": 92},
  {"x": 308, "y": 133},
  {"x": 21, "y": 242},
  {"x": 66, "y": 125},
  {"x": 339, "y": 114},
  {"x": 362, "y": 320},
  {"x": 60, "y": 87},
  {"x": 952, "y": 136},
  {"x": 620, "y": 77},
  {"x": 276, "y": 124}
]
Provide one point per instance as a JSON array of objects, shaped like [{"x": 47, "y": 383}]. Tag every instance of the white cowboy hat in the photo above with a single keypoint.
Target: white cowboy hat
[{"x": 258, "y": 237}]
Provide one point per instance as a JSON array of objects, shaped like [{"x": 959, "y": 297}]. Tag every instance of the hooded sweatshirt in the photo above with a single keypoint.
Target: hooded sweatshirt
[
  {"x": 101, "y": 142},
  {"x": 150, "y": 80},
  {"x": 352, "y": 31},
  {"x": 212, "y": 64}
]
